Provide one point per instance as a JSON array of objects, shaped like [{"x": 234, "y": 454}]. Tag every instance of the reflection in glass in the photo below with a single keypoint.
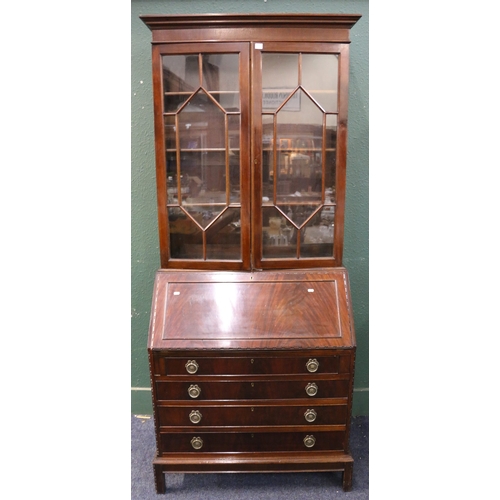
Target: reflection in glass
[
  {"x": 318, "y": 234},
  {"x": 267, "y": 158},
  {"x": 279, "y": 236},
  {"x": 313, "y": 227},
  {"x": 186, "y": 238},
  {"x": 180, "y": 80},
  {"x": 331, "y": 132},
  {"x": 330, "y": 193},
  {"x": 233, "y": 122},
  {"x": 169, "y": 122},
  {"x": 223, "y": 236},
  {"x": 299, "y": 142},
  {"x": 171, "y": 158},
  {"x": 201, "y": 123},
  {"x": 320, "y": 77},
  {"x": 330, "y": 160},
  {"x": 280, "y": 77},
  {"x": 299, "y": 213},
  {"x": 221, "y": 79},
  {"x": 203, "y": 214}
]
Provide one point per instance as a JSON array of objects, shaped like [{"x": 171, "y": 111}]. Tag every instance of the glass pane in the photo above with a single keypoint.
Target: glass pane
[
  {"x": 234, "y": 157},
  {"x": 331, "y": 132},
  {"x": 221, "y": 79},
  {"x": 215, "y": 176},
  {"x": 330, "y": 160},
  {"x": 172, "y": 192},
  {"x": 186, "y": 238},
  {"x": 204, "y": 173},
  {"x": 180, "y": 79},
  {"x": 299, "y": 142},
  {"x": 203, "y": 148},
  {"x": 201, "y": 124},
  {"x": 224, "y": 236},
  {"x": 171, "y": 159},
  {"x": 298, "y": 213},
  {"x": 267, "y": 158},
  {"x": 320, "y": 79},
  {"x": 169, "y": 123},
  {"x": 279, "y": 236},
  {"x": 330, "y": 193},
  {"x": 280, "y": 76},
  {"x": 318, "y": 234},
  {"x": 173, "y": 187},
  {"x": 203, "y": 214},
  {"x": 191, "y": 175},
  {"x": 234, "y": 133}
]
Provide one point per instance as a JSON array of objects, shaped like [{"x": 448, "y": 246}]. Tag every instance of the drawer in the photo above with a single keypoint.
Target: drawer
[
  {"x": 195, "y": 416},
  {"x": 252, "y": 389},
  {"x": 207, "y": 442},
  {"x": 165, "y": 365}
]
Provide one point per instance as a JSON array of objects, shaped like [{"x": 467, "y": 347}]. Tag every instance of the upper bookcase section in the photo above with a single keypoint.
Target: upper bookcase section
[{"x": 250, "y": 118}]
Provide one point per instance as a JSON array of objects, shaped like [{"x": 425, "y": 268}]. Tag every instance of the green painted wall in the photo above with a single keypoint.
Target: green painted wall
[{"x": 145, "y": 249}]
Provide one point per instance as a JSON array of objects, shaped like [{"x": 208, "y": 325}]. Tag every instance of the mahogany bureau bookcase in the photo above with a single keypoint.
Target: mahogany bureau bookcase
[{"x": 251, "y": 341}]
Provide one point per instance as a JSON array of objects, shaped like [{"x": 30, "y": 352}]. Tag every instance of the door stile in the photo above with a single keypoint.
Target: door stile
[
  {"x": 245, "y": 154},
  {"x": 256, "y": 156},
  {"x": 161, "y": 167}
]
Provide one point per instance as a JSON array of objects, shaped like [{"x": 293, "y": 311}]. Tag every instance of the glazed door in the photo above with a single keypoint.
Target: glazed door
[
  {"x": 262, "y": 187},
  {"x": 202, "y": 148},
  {"x": 299, "y": 153}
]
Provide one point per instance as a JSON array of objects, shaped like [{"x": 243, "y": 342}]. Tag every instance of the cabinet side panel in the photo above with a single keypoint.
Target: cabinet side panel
[{"x": 341, "y": 153}]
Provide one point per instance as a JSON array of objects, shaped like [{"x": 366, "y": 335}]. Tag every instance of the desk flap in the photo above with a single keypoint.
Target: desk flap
[{"x": 261, "y": 310}]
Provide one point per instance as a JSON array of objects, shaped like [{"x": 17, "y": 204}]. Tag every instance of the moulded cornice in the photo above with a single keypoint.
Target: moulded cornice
[{"x": 233, "y": 20}]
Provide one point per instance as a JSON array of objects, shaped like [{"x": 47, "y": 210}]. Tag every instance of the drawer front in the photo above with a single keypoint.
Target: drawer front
[
  {"x": 196, "y": 416},
  {"x": 165, "y": 365},
  {"x": 257, "y": 389},
  {"x": 207, "y": 442}
]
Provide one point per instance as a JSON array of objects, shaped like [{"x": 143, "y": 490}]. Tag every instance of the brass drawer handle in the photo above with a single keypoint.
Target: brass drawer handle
[
  {"x": 197, "y": 443},
  {"x": 310, "y": 415},
  {"x": 312, "y": 365},
  {"x": 194, "y": 391},
  {"x": 311, "y": 389},
  {"x": 195, "y": 417},
  {"x": 310, "y": 441},
  {"x": 192, "y": 367}
]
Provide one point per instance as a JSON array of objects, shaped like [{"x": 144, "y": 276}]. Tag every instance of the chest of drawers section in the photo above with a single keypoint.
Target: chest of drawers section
[
  {"x": 258, "y": 398},
  {"x": 233, "y": 408}
]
